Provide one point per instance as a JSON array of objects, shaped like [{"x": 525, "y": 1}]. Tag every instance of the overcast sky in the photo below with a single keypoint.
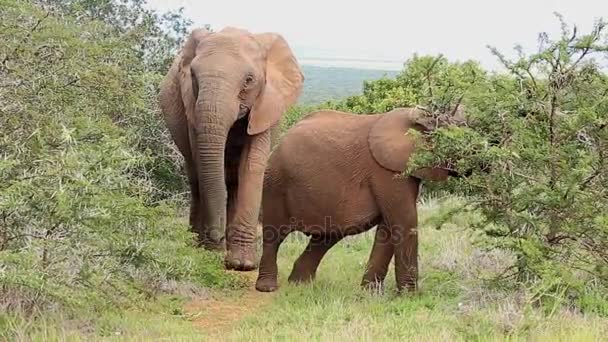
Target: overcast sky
[{"x": 392, "y": 29}]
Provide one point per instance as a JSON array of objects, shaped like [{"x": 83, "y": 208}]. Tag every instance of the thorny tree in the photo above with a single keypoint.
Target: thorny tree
[{"x": 540, "y": 133}]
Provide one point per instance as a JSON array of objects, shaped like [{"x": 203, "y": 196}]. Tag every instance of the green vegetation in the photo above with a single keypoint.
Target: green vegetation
[
  {"x": 93, "y": 236},
  {"x": 458, "y": 300},
  {"x": 88, "y": 188},
  {"x": 161, "y": 320}
]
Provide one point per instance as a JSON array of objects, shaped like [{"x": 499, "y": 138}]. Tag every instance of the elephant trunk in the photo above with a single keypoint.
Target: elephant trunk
[{"x": 215, "y": 115}]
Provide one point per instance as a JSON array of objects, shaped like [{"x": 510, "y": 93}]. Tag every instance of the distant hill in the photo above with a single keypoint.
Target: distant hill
[{"x": 327, "y": 83}]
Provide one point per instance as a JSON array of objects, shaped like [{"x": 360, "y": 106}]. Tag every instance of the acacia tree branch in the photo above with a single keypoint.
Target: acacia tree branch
[
  {"x": 457, "y": 105},
  {"x": 597, "y": 32},
  {"x": 573, "y": 37},
  {"x": 428, "y": 79},
  {"x": 529, "y": 72},
  {"x": 586, "y": 51}
]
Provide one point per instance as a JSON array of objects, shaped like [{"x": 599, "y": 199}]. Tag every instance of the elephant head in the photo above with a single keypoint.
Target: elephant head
[
  {"x": 391, "y": 147},
  {"x": 222, "y": 77}
]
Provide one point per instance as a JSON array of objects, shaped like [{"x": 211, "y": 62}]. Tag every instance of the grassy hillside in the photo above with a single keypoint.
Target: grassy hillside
[{"x": 331, "y": 83}]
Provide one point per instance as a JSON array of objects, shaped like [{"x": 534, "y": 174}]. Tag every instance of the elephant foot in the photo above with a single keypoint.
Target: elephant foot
[
  {"x": 210, "y": 242},
  {"x": 240, "y": 259},
  {"x": 298, "y": 277},
  {"x": 213, "y": 246},
  {"x": 268, "y": 284}
]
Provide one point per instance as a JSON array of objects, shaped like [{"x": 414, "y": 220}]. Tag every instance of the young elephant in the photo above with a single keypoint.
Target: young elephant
[{"x": 333, "y": 175}]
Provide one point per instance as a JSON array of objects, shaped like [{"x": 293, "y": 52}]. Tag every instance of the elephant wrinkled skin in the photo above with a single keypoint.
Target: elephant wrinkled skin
[
  {"x": 333, "y": 175},
  {"x": 222, "y": 101}
]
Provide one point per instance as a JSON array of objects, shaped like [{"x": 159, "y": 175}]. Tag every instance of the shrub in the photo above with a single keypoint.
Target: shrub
[
  {"x": 80, "y": 220},
  {"x": 540, "y": 131}
]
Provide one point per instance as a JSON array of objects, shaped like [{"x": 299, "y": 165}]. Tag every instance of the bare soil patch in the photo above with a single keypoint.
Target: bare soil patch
[{"x": 215, "y": 315}]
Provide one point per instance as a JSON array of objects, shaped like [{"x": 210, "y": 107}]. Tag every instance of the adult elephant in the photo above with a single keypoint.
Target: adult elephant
[{"x": 222, "y": 101}]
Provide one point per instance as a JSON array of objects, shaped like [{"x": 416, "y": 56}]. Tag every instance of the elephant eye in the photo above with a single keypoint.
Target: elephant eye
[{"x": 248, "y": 80}]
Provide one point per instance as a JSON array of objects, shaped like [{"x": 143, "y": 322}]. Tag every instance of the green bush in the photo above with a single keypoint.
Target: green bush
[
  {"x": 542, "y": 135},
  {"x": 82, "y": 220}
]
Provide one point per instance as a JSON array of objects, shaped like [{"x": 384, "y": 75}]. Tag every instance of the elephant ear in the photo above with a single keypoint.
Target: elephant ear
[
  {"x": 284, "y": 80},
  {"x": 185, "y": 74},
  {"x": 392, "y": 147}
]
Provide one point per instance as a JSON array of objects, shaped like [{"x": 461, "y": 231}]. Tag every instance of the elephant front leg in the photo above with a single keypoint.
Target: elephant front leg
[
  {"x": 242, "y": 230},
  {"x": 404, "y": 237},
  {"x": 273, "y": 234},
  {"x": 406, "y": 256},
  {"x": 196, "y": 222},
  {"x": 397, "y": 201},
  {"x": 379, "y": 259}
]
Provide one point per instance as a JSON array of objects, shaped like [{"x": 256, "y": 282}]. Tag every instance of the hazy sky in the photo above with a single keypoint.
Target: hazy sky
[{"x": 392, "y": 29}]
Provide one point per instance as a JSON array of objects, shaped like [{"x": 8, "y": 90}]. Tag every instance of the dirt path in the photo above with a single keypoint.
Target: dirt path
[{"x": 216, "y": 315}]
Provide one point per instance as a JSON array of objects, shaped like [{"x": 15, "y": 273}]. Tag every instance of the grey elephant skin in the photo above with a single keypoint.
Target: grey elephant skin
[
  {"x": 222, "y": 101},
  {"x": 334, "y": 174}
]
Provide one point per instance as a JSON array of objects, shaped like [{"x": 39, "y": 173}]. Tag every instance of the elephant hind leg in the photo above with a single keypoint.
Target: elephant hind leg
[
  {"x": 379, "y": 259},
  {"x": 305, "y": 267}
]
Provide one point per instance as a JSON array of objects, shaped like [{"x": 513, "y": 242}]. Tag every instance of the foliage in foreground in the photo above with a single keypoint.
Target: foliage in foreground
[{"x": 80, "y": 221}]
